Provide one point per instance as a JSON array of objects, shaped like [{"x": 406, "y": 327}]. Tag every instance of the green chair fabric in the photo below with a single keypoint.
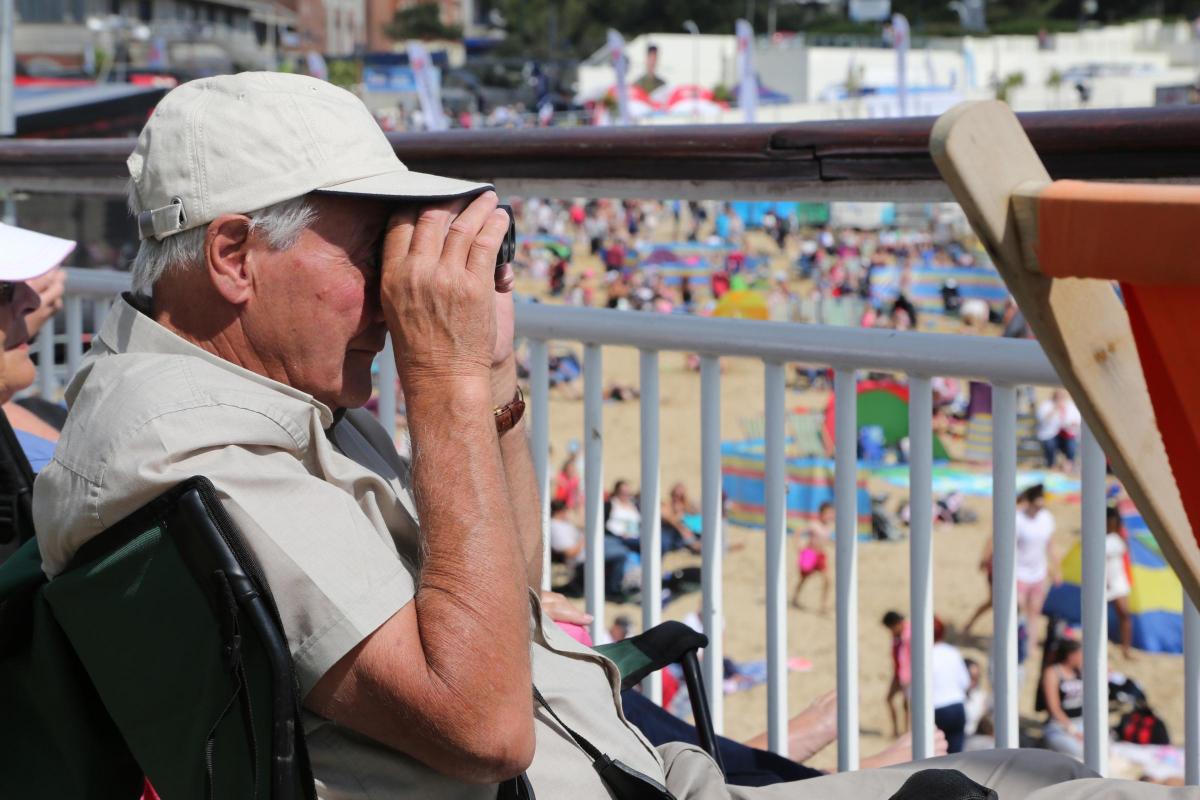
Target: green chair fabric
[
  {"x": 664, "y": 644},
  {"x": 668, "y": 643},
  {"x": 57, "y": 740},
  {"x": 164, "y": 621}
]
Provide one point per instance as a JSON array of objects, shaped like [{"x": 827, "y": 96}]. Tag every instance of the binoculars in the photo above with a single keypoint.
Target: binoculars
[{"x": 508, "y": 248}]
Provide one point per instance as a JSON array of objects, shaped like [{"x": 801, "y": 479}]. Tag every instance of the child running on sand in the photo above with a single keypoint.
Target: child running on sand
[{"x": 812, "y": 557}]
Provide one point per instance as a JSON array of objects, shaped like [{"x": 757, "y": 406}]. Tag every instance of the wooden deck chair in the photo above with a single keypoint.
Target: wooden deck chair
[{"x": 1133, "y": 367}]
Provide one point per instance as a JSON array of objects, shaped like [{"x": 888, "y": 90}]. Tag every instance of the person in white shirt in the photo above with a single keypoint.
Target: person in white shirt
[
  {"x": 1058, "y": 424},
  {"x": 566, "y": 540},
  {"x": 623, "y": 519},
  {"x": 1116, "y": 580},
  {"x": 978, "y": 703},
  {"x": 1037, "y": 557},
  {"x": 950, "y": 681}
]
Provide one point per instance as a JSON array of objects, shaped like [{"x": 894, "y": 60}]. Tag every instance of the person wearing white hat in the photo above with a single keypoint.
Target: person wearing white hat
[
  {"x": 24, "y": 255},
  {"x": 282, "y": 240}
]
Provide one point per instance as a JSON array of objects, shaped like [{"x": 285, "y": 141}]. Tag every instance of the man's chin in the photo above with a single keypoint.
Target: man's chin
[{"x": 355, "y": 391}]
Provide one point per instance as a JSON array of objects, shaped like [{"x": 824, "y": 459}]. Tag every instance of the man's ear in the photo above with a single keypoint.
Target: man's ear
[{"x": 227, "y": 249}]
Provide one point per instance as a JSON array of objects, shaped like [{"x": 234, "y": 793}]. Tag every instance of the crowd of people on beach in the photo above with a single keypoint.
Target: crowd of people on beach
[{"x": 961, "y": 702}]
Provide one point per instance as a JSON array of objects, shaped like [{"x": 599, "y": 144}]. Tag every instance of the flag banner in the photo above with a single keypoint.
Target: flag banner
[
  {"x": 616, "y": 52},
  {"x": 748, "y": 85},
  {"x": 429, "y": 89},
  {"x": 900, "y": 41}
]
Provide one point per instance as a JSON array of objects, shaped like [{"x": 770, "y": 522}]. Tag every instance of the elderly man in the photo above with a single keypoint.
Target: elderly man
[{"x": 282, "y": 240}]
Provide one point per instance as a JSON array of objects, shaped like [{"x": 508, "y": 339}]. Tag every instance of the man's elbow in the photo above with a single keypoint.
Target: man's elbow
[{"x": 497, "y": 749}]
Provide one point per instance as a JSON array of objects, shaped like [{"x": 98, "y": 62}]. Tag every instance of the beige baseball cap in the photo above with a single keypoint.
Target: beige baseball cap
[{"x": 233, "y": 144}]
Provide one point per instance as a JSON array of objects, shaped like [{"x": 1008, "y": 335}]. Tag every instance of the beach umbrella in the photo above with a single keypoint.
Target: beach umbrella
[
  {"x": 688, "y": 99},
  {"x": 695, "y": 108},
  {"x": 640, "y": 104},
  {"x": 742, "y": 304},
  {"x": 884, "y": 404},
  {"x": 1155, "y": 596},
  {"x": 559, "y": 249},
  {"x": 662, "y": 255}
]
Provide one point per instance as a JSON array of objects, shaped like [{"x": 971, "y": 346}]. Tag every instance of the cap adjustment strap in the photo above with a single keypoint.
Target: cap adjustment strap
[{"x": 156, "y": 223}]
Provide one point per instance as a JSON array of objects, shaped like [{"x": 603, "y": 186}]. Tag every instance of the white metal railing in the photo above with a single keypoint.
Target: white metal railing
[{"x": 1004, "y": 363}]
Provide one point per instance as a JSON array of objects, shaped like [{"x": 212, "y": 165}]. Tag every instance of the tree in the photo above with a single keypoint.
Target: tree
[
  {"x": 1054, "y": 82},
  {"x": 577, "y": 28},
  {"x": 1004, "y": 88},
  {"x": 420, "y": 21}
]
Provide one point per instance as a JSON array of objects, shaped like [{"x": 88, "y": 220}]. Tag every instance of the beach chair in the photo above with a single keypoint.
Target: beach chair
[
  {"x": 1129, "y": 359},
  {"x": 159, "y": 652}
]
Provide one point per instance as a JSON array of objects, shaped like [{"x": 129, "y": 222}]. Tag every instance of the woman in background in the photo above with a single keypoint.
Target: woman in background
[
  {"x": 35, "y": 420},
  {"x": 1062, "y": 692}
]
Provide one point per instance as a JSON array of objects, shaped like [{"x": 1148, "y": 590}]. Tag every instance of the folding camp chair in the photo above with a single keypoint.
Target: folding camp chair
[
  {"x": 665, "y": 644},
  {"x": 159, "y": 651},
  {"x": 1130, "y": 366},
  {"x": 165, "y": 631}
]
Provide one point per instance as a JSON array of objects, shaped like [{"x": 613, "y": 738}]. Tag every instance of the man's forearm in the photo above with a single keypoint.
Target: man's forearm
[
  {"x": 473, "y": 576},
  {"x": 520, "y": 477}
]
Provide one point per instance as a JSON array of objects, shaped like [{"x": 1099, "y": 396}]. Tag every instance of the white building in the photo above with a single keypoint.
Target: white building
[{"x": 1117, "y": 66}]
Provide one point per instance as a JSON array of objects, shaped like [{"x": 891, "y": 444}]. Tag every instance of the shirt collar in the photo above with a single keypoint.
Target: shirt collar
[{"x": 129, "y": 328}]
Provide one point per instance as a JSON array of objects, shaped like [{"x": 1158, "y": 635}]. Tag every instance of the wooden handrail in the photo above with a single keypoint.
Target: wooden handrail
[{"x": 1117, "y": 144}]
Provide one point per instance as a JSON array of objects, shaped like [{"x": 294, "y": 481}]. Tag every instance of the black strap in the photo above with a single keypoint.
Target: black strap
[
  {"x": 623, "y": 782},
  {"x": 583, "y": 743}
]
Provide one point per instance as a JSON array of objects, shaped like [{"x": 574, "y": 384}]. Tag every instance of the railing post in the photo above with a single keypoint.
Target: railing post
[
  {"x": 775, "y": 478},
  {"x": 845, "y": 388},
  {"x": 74, "y": 309},
  {"x": 651, "y": 531},
  {"x": 1004, "y": 555},
  {"x": 920, "y": 490},
  {"x": 1094, "y": 606},
  {"x": 712, "y": 539},
  {"x": 593, "y": 480},
  {"x": 388, "y": 402},
  {"x": 539, "y": 391},
  {"x": 1191, "y": 692},
  {"x": 47, "y": 373}
]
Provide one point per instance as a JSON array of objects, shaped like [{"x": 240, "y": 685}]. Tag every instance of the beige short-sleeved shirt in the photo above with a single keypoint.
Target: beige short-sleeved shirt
[{"x": 337, "y": 541}]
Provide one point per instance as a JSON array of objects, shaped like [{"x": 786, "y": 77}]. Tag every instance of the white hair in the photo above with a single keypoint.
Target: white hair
[{"x": 281, "y": 224}]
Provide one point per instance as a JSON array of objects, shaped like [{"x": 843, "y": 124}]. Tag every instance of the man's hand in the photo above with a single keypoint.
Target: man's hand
[{"x": 438, "y": 292}]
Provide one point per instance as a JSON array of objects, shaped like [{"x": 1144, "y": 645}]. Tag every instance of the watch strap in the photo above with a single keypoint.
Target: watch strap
[{"x": 508, "y": 415}]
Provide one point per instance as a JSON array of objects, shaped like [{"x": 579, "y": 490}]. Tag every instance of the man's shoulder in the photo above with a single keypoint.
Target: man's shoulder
[{"x": 166, "y": 401}]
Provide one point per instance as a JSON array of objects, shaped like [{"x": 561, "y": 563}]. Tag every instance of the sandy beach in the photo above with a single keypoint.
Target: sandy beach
[{"x": 958, "y": 589}]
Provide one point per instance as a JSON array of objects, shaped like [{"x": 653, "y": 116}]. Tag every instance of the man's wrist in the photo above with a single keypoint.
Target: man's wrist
[
  {"x": 504, "y": 382},
  {"x": 469, "y": 397}
]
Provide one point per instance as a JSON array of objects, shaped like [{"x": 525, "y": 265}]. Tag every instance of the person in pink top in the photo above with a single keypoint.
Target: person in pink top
[
  {"x": 812, "y": 558},
  {"x": 895, "y": 622}
]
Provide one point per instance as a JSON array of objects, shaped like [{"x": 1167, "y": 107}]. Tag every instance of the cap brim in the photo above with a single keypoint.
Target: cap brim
[
  {"x": 404, "y": 185},
  {"x": 27, "y": 254}
]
